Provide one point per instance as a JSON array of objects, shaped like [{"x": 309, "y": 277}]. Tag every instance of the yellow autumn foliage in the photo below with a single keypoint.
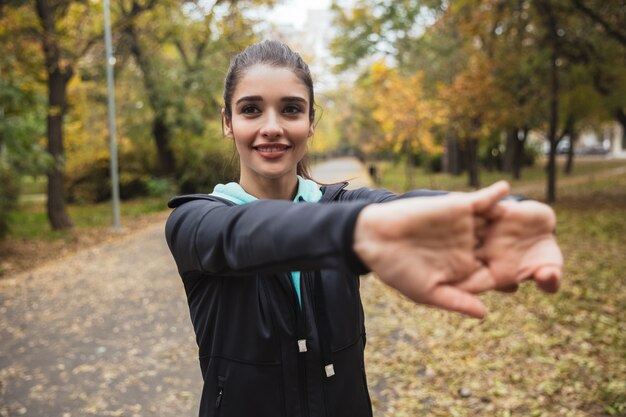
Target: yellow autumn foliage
[{"x": 405, "y": 115}]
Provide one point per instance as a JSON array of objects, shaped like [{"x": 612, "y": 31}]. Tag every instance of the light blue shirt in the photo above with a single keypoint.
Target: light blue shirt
[{"x": 308, "y": 191}]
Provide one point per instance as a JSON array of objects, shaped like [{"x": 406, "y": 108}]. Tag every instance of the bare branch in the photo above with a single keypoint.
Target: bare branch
[
  {"x": 183, "y": 53},
  {"x": 612, "y": 32}
]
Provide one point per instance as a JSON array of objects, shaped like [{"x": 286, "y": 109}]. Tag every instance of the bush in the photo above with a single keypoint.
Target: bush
[
  {"x": 9, "y": 193},
  {"x": 205, "y": 162},
  {"x": 435, "y": 162},
  {"x": 532, "y": 151},
  {"x": 161, "y": 187},
  {"x": 91, "y": 181}
]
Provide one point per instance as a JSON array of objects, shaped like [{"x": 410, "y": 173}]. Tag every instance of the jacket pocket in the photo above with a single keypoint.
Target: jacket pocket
[{"x": 235, "y": 389}]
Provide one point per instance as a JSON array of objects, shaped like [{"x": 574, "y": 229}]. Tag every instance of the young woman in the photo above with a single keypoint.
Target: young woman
[{"x": 271, "y": 264}]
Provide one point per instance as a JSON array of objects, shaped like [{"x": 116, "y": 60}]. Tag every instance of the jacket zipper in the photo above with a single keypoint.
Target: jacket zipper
[
  {"x": 301, "y": 338},
  {"x": 220, "y": 394}
]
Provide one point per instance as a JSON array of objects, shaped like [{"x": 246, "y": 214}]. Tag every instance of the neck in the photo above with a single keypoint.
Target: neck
[{"x": 284, "y": 188}]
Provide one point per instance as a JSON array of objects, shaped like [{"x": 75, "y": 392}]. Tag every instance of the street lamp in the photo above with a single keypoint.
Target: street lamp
[{"x": 110, "y": 61}]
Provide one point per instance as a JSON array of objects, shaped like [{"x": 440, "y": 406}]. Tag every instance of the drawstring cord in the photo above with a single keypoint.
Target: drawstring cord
[{"x": 323, "y": 325}]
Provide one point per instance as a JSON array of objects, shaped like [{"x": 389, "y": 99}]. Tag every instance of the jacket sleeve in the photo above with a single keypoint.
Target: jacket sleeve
[
  {"x": 263, "y": 236},
  {"x": 383, "y": 196}
]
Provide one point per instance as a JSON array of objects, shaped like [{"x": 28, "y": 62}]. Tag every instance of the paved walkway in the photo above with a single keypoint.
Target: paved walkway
[
  {"x": 342, "y": 169},
  {"x": 106, "y": 331}
]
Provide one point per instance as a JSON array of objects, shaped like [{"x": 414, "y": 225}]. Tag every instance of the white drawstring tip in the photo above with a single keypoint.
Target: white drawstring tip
[
  {"x": 302, "y": 345},
  {"x": 330, "y": 370}
]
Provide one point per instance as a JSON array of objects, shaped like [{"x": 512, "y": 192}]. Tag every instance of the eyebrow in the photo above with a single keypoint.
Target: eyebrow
[{"x": 259, "y": 98}]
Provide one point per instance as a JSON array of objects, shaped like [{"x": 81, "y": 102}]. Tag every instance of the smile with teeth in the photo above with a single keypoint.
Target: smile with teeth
[{"x": 271, "y": 148}]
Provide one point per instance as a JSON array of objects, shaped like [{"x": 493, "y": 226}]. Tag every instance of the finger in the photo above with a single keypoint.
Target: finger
[
  {"x": 480, "y": 222},
  {"x": 484, "y": 200},
  {"x": 454, "y": 299},
  {"x": 480, "y": 281},
  {"x": 496, "y": 211},
  {"x": 480, "y": 253},
  {"x": 548, "y": 278},
  {"x": 480, "y": 228},
  {"x": 508, "y": 288}
]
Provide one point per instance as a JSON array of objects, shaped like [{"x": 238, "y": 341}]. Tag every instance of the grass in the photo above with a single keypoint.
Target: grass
[
  {"x": 30, "y": 220},
  {"x": 393, "y": 175},
  {"x": 534, "y": 355},
  {"x": 32, "y": 242},
  {"x": 33, "y": 185}
]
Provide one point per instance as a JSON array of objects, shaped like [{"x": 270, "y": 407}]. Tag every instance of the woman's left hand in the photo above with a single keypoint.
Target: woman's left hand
[{"x": 519, "y": 244}]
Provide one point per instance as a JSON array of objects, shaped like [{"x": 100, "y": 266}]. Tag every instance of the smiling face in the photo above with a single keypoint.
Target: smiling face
[{"x": 270, "y": 123}]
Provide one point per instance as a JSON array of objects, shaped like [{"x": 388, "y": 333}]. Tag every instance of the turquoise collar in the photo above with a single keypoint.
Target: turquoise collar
[{"x": 308, "y": 191}]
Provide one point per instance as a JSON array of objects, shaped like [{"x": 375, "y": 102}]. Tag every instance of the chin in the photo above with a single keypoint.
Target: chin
[{"x": 274, "y": 174}]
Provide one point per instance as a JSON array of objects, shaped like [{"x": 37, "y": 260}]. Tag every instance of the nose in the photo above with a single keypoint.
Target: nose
[{"x": 271, "y": 125}]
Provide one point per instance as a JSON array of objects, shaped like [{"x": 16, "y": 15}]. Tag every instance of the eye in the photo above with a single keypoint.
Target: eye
[
  {"x": 292, "y": 109},
  {"x": 249, "y": 109}
]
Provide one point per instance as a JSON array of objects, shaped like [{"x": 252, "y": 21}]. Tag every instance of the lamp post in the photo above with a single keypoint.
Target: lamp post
[{"x": 110, "y": 61}]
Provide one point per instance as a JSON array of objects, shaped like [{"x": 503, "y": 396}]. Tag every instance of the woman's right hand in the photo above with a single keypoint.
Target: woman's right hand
[{"x": 425, "y": 247}]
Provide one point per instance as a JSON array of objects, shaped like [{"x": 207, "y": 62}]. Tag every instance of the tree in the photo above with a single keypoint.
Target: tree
[
  {"x": 65, "y": 32},
  {"x": 470, "y": 110},
  {"x": 21, "y": 115},
  {"x": 405, "y": 116}
]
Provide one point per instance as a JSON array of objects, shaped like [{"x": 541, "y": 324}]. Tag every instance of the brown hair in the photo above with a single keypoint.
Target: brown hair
[{"x": 276, "y": 54}]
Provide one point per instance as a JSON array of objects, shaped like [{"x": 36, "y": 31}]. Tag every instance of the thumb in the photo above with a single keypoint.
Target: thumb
[
  {"x": 548, "y": 278},
  {"x": 454, "y": 299},
  {"x": 484, "y": 200}
]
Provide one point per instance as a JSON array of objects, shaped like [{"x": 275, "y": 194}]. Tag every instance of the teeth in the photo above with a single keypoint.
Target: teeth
[{"x": 270, "y": 148}]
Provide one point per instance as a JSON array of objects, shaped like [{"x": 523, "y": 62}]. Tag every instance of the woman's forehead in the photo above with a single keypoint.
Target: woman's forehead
[{"x": 266, "y": 80}]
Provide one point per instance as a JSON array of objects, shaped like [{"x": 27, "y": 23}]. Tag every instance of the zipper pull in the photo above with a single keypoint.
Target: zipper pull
[{"x": 218, "y": 401}]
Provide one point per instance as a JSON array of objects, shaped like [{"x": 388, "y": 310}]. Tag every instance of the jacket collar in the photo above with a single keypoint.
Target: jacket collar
[{"x": 329, "y": 193}]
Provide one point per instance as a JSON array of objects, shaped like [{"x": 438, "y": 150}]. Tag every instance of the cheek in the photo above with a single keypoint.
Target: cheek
[
  {"x": 303, "y": 133},
  {"x": 242, "y": 133}
]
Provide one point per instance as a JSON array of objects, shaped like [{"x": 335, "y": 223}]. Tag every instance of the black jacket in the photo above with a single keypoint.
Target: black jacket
[{"x": 235, "y": 262}]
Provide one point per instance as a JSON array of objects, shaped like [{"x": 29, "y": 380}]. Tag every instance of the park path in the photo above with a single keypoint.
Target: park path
[
  {"x": 342, "y": 169},
  {"x": 103, "y": 332},
  {"x": 106, "y": 331}
]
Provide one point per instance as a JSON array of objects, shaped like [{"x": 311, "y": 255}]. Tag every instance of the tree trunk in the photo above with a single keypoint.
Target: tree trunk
[
  {"x": 471, "y": 151},
  {"x": 509, "y": 150},
  {"x": 569, "y": 165},
  {"x": 620, "y": 115},
  {"x": 57, "y": 210},
  {"x": 161, "y": 133},
  {"x": 453, "y": 157},
  {"x": 58, "y": 77},
  {"x": 518, "y": 153},
  {"x": 554, "y": 117},
  {"x": 409, "y": 165},
  {"x": 159, "y": 103},
  {"x": 545, "y": 9}
]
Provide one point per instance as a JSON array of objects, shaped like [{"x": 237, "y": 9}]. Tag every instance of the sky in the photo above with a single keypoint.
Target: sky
[{"x": 294, "y": 11}]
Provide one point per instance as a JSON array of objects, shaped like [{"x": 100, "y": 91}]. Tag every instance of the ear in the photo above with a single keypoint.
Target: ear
[
  {"x": 227, "y": 125},
  {"x": 311, "y": 130}
]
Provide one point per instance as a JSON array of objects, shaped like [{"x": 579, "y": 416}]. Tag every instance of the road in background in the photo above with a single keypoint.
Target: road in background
[{"x": 342, "y": 169}]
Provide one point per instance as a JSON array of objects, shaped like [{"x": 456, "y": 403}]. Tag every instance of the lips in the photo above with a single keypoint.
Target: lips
[{"x": 271, "y": 150}]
